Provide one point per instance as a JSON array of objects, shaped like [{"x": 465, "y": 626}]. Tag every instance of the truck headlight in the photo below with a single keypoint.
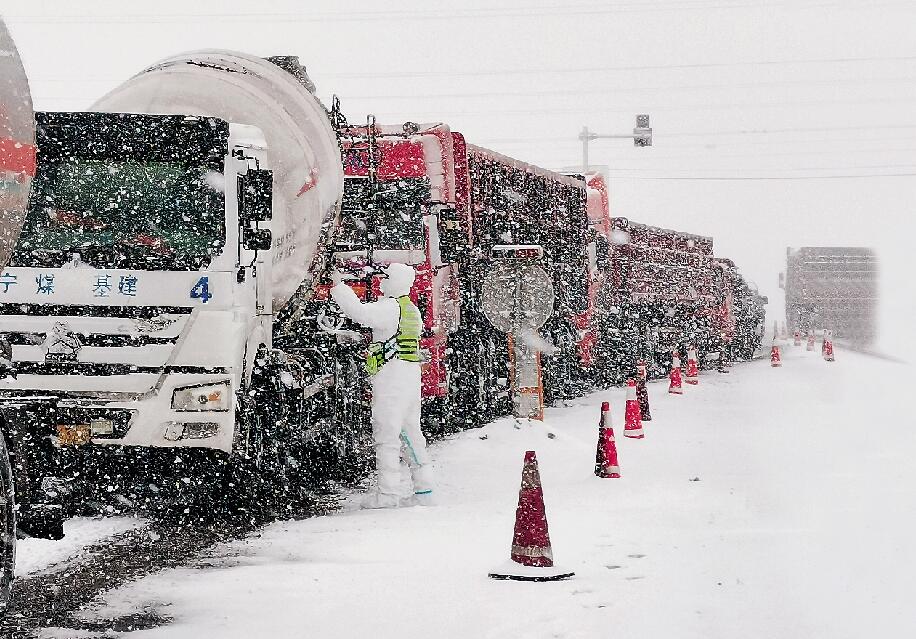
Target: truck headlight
[{"x": 201, "y": 397}]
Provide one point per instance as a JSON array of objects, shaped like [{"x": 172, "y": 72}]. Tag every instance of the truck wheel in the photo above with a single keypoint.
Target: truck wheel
[{"x": 7, "y": 527}]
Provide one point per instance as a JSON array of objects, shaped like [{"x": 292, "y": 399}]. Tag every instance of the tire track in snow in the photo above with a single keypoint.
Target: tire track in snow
[{"x": 52, "y": 597}]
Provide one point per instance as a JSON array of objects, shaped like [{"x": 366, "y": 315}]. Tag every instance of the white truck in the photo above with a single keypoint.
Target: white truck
[{"x": 173, "y": 234}]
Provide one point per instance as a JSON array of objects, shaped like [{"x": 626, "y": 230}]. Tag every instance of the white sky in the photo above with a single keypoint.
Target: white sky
[{"x": 818, "y": 93}]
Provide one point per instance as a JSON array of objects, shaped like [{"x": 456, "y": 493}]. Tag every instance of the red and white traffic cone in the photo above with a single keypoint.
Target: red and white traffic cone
[
  {"x": 632, "y": 426},
  {"x": 693, "y": 371},
  {"x": 828, "y": 349},
  {"x": 797, "y": 337},
  {"x": 810, "y": 346},
  {"x": 531, "y": 556},
  {"x": 606, "y": 456},
  {"x": 775, "y": 358},
  {"x": 824, "y": 345},
  {"x": 674, "y": 385},
  {"x": 642, "y": 393}
]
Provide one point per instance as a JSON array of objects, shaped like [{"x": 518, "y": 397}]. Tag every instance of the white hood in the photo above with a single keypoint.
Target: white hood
[{"x": 400, "y": 279}]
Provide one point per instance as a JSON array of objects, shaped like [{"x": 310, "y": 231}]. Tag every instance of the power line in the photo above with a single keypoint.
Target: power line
[
  {"x": 882, "y": 127},
  {"x": 619, "y": 90},
  {"x": 909, "y": 165},
  {"x": 770, "y": 178},
  {"x": 651, "y": 158},
  {"x": 717, "y": 133},
  {"x": 573, "y": 68},
  {"x": 439, "y": 114},
  {"x": 434, "y": 15}
]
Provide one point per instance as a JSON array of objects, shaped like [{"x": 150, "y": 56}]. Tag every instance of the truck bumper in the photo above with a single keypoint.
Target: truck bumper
[{"x": 56, "y": 478}]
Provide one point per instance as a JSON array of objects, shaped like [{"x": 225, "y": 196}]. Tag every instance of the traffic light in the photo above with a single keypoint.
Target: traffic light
[{"x": 642, "y": 134}]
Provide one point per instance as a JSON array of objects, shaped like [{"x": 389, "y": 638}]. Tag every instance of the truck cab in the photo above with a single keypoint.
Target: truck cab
[{"x": 136, "y": 292}]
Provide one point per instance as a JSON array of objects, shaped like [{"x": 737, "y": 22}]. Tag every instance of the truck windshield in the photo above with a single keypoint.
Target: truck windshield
[
  {"x": 146, "y": 215},
  {"x": 391, "y": 219}
]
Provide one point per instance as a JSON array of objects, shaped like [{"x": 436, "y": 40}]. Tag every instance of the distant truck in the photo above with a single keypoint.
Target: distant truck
[
  {"x": 654, "y": 290},
  {"x": 832, "y": 287}
]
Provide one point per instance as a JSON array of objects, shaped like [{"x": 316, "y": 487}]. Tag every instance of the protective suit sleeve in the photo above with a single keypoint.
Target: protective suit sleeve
[{"x": 368, "y": 314}]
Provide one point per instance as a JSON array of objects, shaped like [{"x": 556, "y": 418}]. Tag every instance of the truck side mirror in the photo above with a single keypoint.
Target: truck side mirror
[
  {"x": 256, "y": 195},
  {"x": 257, "y": 239}
]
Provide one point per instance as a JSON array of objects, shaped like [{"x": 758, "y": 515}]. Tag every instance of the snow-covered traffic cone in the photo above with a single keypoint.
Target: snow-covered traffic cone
[
  {"x": 775, "y": 358},
  {"x": 824, "y": 345},
  {"x": 675, "y": 378},
  {"x": 606, "y": 456},
  {"x": 531, "y": 556},
  {"x": 810, "y": 346},
  {"x": 797, "y": 337},
  {"x": 632, "y": 426},
  {"x": 828, "y": 349},
  {"x": 693, "y": 371},
  {"x": 642, "y": 393}
]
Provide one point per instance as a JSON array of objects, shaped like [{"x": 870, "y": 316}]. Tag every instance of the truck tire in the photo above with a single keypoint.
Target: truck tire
[{"x": 7, "y": 527}]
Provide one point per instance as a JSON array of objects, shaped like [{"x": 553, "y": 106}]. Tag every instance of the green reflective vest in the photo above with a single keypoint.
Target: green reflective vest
[{"x": 404, "y": 345}]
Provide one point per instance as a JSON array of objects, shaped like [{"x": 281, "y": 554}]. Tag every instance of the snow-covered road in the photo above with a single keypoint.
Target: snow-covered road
[{"x": 764, "y": 503}]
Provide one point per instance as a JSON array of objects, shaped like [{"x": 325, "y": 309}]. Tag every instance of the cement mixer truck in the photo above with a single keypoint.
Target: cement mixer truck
[
  {"x": 17, "y": 166},
  {"x": 171, "y": 236}
]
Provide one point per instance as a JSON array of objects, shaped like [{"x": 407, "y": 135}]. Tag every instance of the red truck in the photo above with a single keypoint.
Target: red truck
[
  {"x": 652, "y": 290},
  {"x": 418, "y": 194}
]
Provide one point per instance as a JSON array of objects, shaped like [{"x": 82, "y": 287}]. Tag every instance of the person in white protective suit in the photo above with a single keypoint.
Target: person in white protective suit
[{"x": 394, "y": 365}]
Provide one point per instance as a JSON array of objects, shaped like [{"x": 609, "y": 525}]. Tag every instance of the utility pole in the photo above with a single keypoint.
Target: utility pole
[{"x": 641, "y": 136}]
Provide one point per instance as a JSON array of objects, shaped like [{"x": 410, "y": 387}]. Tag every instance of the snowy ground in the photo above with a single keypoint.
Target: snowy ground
[
  {"x": 764, "y": 503},
  {"x": 33, "y": 555}
]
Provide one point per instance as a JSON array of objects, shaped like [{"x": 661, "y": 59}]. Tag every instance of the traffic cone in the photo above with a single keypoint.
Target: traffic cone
[
  {"x": 797, "y": 337},
  {"x": 606, "y": 456},
  {"x": 810, "y": 346},
  {"x": 642, "y": 393},
  {"x": 675, "y": 384},
  {"x": 775, "y": 359},
  {"x": 828, "y": 349},
  {"x": 632, "y": 427},
  {"x": 824, "y": 345},
  {"x": 531, "y": 556},
  {"x": 693, "y": 372}
]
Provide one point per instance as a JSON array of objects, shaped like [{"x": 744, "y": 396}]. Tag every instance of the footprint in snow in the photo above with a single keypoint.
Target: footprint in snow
[
  {"x": 635, "y": 577},
  {"x": 637, "y": 556}
]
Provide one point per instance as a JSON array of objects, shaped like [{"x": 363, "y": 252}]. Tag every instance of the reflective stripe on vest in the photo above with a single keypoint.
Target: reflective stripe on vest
[{"x": 410, "y": 325}]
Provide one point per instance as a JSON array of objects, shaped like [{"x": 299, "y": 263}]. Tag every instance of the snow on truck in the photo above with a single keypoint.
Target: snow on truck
[
  {"x": 161, "y": 256},
  {"x": 833, "y": 288}
]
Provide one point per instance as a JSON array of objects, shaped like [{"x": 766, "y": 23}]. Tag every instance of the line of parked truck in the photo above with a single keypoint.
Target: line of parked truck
[{"x": 166, "y": 334}]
